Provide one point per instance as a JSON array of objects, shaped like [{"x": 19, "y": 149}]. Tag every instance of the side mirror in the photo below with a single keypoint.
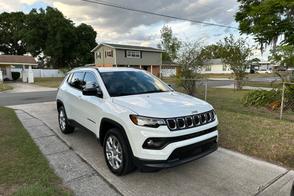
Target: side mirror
[{"x": 92, "y": 91}]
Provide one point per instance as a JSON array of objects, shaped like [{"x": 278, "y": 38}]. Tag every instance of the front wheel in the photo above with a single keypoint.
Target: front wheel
[{"x": 117, "y": 153}]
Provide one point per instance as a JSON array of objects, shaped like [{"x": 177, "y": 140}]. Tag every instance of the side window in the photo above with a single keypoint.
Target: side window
[
  {"x": 76, "y": 80},
  {"x": 90, "y": 79}
]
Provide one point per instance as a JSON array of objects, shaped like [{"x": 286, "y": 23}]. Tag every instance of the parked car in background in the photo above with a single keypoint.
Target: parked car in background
[{"x": 139, "y": 120}]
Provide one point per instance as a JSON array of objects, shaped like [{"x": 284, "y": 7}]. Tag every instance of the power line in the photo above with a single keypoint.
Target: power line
[{"x": 157, "y": 14}]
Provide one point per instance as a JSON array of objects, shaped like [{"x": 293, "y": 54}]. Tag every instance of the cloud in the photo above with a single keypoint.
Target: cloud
[{"x": 122, "y": 26}]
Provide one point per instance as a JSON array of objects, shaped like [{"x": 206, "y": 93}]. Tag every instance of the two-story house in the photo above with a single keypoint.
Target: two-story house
[{"x": 117, "y": 55}]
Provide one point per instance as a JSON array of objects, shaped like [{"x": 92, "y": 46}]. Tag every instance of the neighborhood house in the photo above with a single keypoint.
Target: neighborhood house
[
  {"x": 117, "y": 55},
  {"x": 7, "y": 62}
]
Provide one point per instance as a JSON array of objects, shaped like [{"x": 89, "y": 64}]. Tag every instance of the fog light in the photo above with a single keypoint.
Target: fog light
[{"x": 154, "y": 143}]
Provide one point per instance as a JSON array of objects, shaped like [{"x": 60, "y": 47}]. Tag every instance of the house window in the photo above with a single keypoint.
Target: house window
[
  {"x": 98, "y": 55},
  {"x": 208, "y": 68},
  {"x": 133, "y": 54},
  {"x": 108, "y": 53}
]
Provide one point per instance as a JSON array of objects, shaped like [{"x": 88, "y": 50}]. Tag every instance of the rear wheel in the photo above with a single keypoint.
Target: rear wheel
[
  {"x": 117, "y": 153},
  {"x": 64, "y": 126}
]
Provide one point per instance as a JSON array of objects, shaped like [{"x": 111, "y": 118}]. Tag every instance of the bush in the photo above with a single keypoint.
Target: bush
[
  {"x": 262, "y": 98},
  {"x": 15, "y": 75}
]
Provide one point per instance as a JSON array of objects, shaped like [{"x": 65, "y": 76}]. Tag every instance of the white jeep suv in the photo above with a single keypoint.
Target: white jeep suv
[{"x": 139, "y": 120}]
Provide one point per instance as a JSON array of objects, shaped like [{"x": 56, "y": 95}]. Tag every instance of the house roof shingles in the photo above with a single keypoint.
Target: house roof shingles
[
  {"x": 17, "y": 59},
  {"x": 129, "y": 47}
]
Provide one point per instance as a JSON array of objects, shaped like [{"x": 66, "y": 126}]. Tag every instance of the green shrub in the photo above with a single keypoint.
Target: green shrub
[
  {"x": 261, "y": 97},
  {"x": 15, "y": 75}
]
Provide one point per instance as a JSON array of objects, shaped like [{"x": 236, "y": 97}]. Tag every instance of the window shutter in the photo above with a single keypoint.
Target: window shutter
[
  {"x": 141, "y": 54},
  {"x": 125, "y": 53}
]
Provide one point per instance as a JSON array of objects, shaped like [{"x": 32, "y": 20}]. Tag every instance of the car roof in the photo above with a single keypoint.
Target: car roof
[
  {"x": 116, "y": 69},
  {"x": 105, "y": 69}
]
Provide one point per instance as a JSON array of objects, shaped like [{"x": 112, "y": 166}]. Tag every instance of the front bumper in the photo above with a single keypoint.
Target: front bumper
[{"x": 181, "y": 155}]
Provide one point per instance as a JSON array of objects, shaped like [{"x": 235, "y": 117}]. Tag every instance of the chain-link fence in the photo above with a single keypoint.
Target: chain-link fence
[
  {"x": 262, "y": 97},
  {"x": 287, "y": 101}
]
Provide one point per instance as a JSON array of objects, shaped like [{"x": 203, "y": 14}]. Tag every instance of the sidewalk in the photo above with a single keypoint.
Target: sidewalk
[
  {"x": 245, "y": 87},
  {"x": 75, "y": 172},
  {"x": 19, "y": 87}
]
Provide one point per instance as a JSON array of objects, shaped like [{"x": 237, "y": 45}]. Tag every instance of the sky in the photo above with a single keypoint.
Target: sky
[{"x": 125, "y": 27}]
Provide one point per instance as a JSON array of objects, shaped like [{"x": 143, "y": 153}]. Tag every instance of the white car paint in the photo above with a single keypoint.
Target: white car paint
[{"x": 89, "y": 110}]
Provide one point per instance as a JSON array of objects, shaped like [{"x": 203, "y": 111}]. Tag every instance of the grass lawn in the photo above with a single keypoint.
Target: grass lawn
[
  {"x": 4, "y": 87},
  {"x": 49, "y": 82},
  {"x": 254, "y": 131},
  {"x": 262, "y": 137},
  {"x": 23, "y": 169},
  {"x": 231, "y": 76}
]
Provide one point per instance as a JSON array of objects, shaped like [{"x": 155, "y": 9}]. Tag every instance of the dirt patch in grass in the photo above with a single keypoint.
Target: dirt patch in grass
[
  {"x": 23, "y": 169},
  {"x": 49, "y": 82}
]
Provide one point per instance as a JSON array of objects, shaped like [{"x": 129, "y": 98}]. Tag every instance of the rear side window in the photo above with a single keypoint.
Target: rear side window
[
  {"x": 76, "y": 80},
  {"x": 90, "y": 79}
]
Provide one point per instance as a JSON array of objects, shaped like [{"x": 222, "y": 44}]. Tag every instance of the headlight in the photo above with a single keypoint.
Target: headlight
[{"x": 147, "y": 121}]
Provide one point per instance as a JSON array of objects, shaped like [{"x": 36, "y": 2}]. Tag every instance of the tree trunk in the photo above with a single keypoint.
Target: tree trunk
[{"x": 239, "y": 84}]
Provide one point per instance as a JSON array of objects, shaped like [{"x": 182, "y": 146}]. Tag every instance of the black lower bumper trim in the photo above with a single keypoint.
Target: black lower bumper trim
[{"x": 181, "y": 155}]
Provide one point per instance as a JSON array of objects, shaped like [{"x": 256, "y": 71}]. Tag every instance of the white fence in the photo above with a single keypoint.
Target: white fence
[{"x": 42, "y": 73}]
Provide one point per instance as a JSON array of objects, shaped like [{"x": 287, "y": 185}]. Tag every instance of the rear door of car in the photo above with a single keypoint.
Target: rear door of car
[{"x": 74, "y": 96}]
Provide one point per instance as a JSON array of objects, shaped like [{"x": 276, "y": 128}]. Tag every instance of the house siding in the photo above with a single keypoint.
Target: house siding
[
  {"x": 148, "y": 58},
  {"x": 104, "y": 61}
]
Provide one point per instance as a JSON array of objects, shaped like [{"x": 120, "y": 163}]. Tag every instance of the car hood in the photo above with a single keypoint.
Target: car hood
[{"x": 163, "y": 105}]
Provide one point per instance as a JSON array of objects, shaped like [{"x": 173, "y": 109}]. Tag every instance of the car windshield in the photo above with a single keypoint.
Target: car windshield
[{"x": 121, "y": 83}]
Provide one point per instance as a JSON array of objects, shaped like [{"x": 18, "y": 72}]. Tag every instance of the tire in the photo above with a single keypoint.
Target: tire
[
  {"x": 64, "y": 126},
  {"x": 117, "y": 150}
]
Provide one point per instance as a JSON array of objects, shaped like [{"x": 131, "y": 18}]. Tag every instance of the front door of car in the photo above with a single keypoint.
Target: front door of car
[{"x": 91, "y": 105}]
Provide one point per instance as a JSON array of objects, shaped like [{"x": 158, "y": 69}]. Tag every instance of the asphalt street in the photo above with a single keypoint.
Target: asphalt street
[{"x": 7, "y": 99}]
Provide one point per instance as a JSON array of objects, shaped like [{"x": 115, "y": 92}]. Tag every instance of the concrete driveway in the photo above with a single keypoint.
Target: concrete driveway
[{"x": 221, "y": 173}]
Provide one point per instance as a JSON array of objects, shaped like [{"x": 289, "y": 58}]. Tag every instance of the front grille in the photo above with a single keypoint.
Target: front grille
[{"x": 186, "y": 122}]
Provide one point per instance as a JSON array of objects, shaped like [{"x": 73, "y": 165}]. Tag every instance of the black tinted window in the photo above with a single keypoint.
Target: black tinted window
[
  {"x": 131, "y": 82},
  {"x": 90, "y": 79},
  {"x": 77, "y": 80}
]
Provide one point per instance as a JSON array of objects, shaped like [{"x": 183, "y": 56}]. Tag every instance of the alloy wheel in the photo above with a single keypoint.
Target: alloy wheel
[{"x": 114, "y": 153}]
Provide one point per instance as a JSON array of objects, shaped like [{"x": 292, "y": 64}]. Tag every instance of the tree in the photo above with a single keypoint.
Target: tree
[
  {"x": 48, "y": 35},
  {"x": 190, "y": 61},
  {"x": 284, "y": 55},
  {"x": 235, "y": 53},
  {"x": 35, "y": 32},
  {"x": 267, "y": 20},
  {"x": 11, "y": 33},
  {"x": 169, "y": 43},
  {"x": 86, "y": 42}
]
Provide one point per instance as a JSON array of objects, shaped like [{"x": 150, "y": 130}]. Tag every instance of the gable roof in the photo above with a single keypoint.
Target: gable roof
[
  {"x": 127, "y": 47},
  {"x": 17, "y": 60}
]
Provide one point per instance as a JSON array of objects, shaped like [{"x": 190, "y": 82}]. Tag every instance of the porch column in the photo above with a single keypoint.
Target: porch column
[
  {"x": 30, "y": 75},
  {"x": 1, "y": 76},
  {"x": 140, "y": 66},
  {"x": 24, "y": 74},
  {"x": 151, "y": 70}
]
